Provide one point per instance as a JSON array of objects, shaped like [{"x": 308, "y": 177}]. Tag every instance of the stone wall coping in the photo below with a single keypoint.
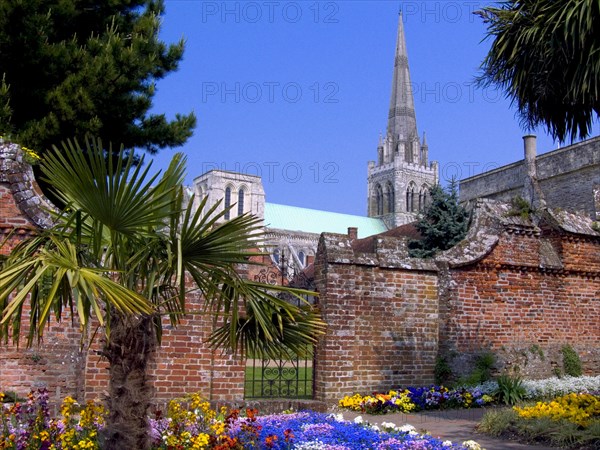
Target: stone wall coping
[
  {"x": 491, "y": 218},
  {"x": 573, "y": 223},
  {"x": 18, "y": 174}
]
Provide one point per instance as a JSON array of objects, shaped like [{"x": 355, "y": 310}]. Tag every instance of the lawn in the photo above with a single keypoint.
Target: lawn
[{"x": 278, "y": 382}]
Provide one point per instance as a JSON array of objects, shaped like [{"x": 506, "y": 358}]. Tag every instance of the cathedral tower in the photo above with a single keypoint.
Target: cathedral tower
[{"x": 399, "y": 181}]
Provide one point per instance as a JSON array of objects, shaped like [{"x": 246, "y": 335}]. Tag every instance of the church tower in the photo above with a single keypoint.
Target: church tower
[{"x": 399, "y": 181}]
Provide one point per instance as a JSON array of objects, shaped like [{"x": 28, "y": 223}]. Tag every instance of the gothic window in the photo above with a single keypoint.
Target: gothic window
[
  {"x": 227, "y": 202},
  {"x": 276, "y": 255},
  {"x": 380, "y": 156},
  {"x": 391, "y": 198},
  {"x": 421, "y": 201},
  {"x": 240, "y": 203},
  {"x": 410, "y": 198},
  {"x": 302, "y": 258},
  {"x": 379, "y": 200},
  {"x": 425, "y": 194}
]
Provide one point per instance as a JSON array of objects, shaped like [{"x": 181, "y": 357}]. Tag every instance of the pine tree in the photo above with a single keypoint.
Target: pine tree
[
  {"x": 443, "y": 224},
  {"x": 73, "y": 67}
]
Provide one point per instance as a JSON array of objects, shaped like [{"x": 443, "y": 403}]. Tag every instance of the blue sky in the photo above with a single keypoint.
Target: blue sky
[{"x": 298, "y": 92}]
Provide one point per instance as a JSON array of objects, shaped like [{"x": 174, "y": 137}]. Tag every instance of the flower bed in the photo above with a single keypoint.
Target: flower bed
[
  {"x": 192, "y": 424},
  {"x": 440, "y": 397},
  {"x": 551, "y": 387},
  {"x": 571, "y": 421},
  {"x": 580, "y": 409},
  {"x": 416, "y": 399}
]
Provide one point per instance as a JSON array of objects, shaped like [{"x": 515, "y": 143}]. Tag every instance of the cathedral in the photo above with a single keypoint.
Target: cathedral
[{"x": 398, "y": 184}]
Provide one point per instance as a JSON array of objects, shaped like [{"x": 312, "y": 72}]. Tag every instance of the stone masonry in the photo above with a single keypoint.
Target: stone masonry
[{"x": 567, "y": 178}]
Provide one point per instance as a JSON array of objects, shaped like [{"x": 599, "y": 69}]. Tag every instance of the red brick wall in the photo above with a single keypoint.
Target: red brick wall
[
  {"x": 509, "y": 304},
  {"x": 184, "y": 364},
  {"x": 382, "y": 322},
  {"x": 511, "y": 287},
  {"x": 514, "y": 288}
]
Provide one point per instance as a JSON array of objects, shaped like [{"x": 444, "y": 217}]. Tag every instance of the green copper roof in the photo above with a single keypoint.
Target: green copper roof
[{"x": 292, "y": 218}]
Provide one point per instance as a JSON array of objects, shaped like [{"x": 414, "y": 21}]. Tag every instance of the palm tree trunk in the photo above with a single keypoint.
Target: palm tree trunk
[{"x": 129, "y": 347}]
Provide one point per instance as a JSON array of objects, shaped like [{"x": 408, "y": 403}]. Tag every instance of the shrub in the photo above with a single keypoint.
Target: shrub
[
  {"x": 497, "y": 422},
  {"x": 520, "y": 207},
  {"x": 442, "y": 370},
  {"x": 510, "y": 389},
  {"x": 484, "y": 364},
  {"x": 571, "y": 361},
  {"x": 10, "y": 397}
]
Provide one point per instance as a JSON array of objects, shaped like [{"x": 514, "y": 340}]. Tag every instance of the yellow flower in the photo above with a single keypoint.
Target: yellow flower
[
  {"x": 218, "y": 427},
  {"x": 580, "y": 409},
  {"x": 200, "y": 442}
]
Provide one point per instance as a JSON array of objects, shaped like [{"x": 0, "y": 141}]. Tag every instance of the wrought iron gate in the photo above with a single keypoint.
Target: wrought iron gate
[{"x": 285, "y": 377}]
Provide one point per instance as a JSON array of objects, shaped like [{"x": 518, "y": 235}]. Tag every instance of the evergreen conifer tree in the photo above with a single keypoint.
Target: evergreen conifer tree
[
  {"x": 74, "y": 67},
  {"x": 443, "y": 224}
]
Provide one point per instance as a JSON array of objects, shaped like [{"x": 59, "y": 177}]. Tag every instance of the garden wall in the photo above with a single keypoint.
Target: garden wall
[
  {"x": 518, "y": 287},
  {"x": 182, "y": 365},
  {"x": 381, "y": 314},
  {"x": 531, "y": 287}
]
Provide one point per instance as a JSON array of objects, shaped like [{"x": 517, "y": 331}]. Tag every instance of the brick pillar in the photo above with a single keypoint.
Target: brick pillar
[{"x": 335, "y": 353}]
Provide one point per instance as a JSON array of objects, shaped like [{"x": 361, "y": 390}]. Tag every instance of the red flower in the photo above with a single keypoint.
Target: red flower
[
  {"x": 289, "y": 435},
  {"x": 270, "y": 441}
]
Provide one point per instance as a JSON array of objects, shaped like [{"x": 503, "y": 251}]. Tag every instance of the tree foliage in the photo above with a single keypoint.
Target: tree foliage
[
  {"x": 443, "y": 224},
  {"x": 120, "y": 251},
  {"x": 545, "y": 55},
  {"x": 72, "y": 67}
]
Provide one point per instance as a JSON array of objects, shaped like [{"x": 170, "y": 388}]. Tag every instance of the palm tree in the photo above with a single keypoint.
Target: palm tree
[
  {"x": 120, "y": 251},
  {"x": 545, "y": 56}
]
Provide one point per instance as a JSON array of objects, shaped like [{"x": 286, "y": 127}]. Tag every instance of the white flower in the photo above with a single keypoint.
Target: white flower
[
  {"x": 389, "y": 425},
  {"x": 358, "y": 419},
  {"x": 374, "y": 427},
  {"x": 550, "y": 387},
  {"x": 472, "y": 445},
  {"x": 337, "y": 417},
  {"x": 447, "y": 444},
  {"x": 407, "y": 428}
]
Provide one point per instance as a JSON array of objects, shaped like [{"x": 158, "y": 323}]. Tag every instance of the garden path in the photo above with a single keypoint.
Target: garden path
[{"x": 457, "y": 425}]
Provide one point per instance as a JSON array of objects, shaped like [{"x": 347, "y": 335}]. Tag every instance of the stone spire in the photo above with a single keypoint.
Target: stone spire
[
  {"x": 399, "y": 181},
  {"x": 402, "y": 124}
]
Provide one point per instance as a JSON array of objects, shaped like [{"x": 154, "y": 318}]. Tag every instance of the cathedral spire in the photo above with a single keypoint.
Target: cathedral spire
[{"x": 402, "y": 124}]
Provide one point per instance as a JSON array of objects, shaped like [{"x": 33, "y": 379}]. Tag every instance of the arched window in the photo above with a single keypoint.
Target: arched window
[
  {"x": 391, "y": 199},
  {"x": 379, "y": 198},
  {"x": 410, "y": 198},
  {"x": 240, "y": 203},
  {"x": 227, "y": 202},
  {"x": 425, "y": 192},
  {"x": 276, "y": 255},
  {"x": 302, "y": 258}
]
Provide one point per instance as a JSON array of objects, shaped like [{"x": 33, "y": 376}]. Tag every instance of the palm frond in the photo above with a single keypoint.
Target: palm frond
[
  {"x": 545, "y": 56},
  {"x": 116, "y": 194}
]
